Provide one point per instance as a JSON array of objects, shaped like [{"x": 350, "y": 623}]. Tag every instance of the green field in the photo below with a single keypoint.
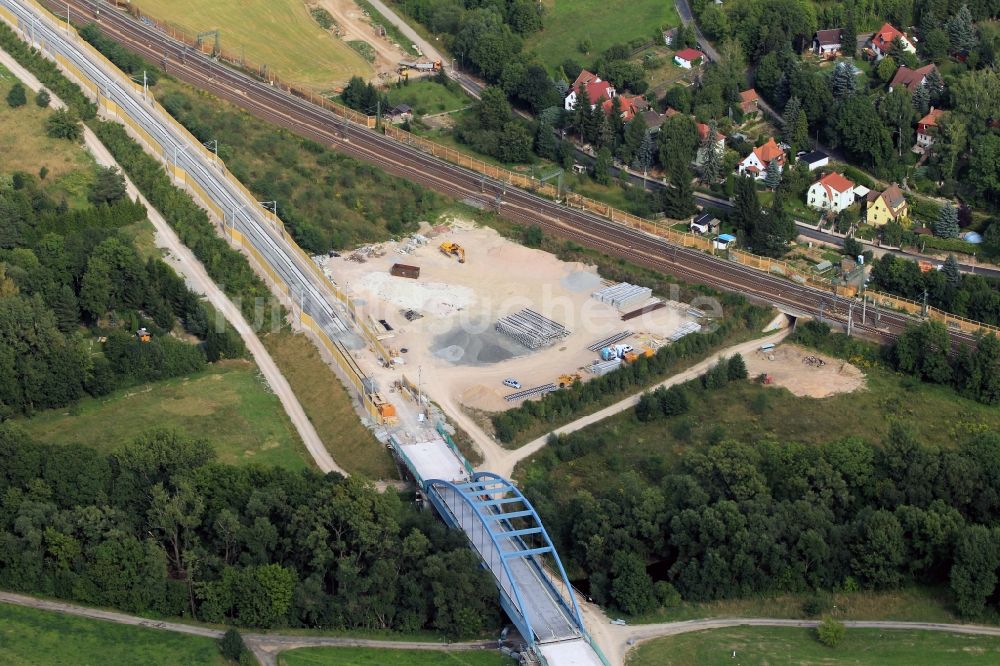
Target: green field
[
  {"x": 43, "y": 638},
  {"x": 426, "y": 97},
  {"x": 772, "y": 646},
  {"x": 278, "y": 33},
  {"x": 602, "y": 22},
  {"x": 375, "y": 657},
  {"x": 226, "y": 404},
  {"x": 328, "y": 406},
  {"x": 24, "y": 146}
]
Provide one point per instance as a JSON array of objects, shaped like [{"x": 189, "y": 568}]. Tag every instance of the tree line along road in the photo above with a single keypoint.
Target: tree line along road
[{"x": 311, "y": 121}]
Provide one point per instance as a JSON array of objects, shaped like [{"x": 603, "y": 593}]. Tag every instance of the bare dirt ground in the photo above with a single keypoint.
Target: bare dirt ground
[
  {"x": 453, "y": 351},
  {"x": 352, "y": 24},
  {"x": 805, "y": 372}
]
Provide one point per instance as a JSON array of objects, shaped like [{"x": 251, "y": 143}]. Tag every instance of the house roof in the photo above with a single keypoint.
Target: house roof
[
  {"x": 584, "y": 77},
  {"x": 930, "y": 120},
  {"x": 885, "y": 36},
  {"x": 813, "y": 157},
  {"x": 670, "y": 112},
  {"x": 703, "y": 132},
  {"x": 703, "y": 219},
  {"x": 829, "y": 37},
  {"x": 653, "y": 119},
  {"x": 769, "y": 151},
  {"x": 748, "y": 100},
  {"x": 727, "y": 238},
  {"x": 689, "y": 54},
  {"x": 836, "y": 182},
  {"x": 893, "y": 198},
  {"x": 401, "y": 108},
  {"x": 598, "y": 89},
  {"x": 630, "y": 105},
  {"x": 911, "y": 78}
]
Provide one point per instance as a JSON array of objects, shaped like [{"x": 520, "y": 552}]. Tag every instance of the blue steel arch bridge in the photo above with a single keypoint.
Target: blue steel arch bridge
[{"x": 507, "y": 534}]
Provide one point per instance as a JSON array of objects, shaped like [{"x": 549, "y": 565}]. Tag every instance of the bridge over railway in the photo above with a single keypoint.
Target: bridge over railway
[
  {"x": 507, "y": 534},
  {"x": 501, "y": 525}
]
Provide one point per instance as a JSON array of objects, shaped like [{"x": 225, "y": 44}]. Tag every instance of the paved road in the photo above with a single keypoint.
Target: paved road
[
  {"x": 197, "y": 278},
  {"x": 687, "y": 17}
]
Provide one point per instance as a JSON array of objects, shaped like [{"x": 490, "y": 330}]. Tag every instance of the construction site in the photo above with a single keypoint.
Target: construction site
[{"x": 456, "y": 297}]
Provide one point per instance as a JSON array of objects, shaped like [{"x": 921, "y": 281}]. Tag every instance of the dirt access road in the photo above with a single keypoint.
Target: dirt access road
[
  {"x": 352, "y": 24},
  {"x": 197, "y": 279}
]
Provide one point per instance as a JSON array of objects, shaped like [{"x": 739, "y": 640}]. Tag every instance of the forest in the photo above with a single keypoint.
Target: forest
[
  {"x": 70, "y": 276},
  {"x": 158, "y": 527},
  {"x": 735, "y": 519}
]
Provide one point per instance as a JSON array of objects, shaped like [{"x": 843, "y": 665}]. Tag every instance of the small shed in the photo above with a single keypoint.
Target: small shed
[
  {"x": 815, "y": 159},
  {"x": 401, "y": 113},
  {"x": 723, "y": 241},
  {"x": 705, "y": 223},
  {"x": 405, "y": 271}
]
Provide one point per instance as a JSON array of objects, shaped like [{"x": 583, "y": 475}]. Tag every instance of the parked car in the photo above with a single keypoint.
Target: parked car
[{"x": 513, "y": 383}]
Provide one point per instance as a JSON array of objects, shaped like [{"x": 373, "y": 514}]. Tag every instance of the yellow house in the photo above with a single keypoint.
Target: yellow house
[{"x": 889, "y": 205}]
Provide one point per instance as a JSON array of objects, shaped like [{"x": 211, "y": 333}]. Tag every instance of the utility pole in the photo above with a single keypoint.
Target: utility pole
[
  {"x": 925, "y": 303},
  {"x": 822, "y": 305},
  {"x": 850, "y": 317},
  {"x": 864, "y": 308},
  {"x": 67, "y": 18}
]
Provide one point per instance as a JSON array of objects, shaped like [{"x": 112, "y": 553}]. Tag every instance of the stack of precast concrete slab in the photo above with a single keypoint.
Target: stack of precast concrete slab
[
  {"x": 532, "y": 329},
  {"x": 623, "y": 295}
]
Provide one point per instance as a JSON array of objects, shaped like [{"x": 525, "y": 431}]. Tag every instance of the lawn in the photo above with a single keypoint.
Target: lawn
[
  {"x": 29, "y": 636},
  {"x": 781, "y": 645},
  {"x": 24, "y": 146},
  {"x": 278, "y": 33},
  {"x": 227, "y": 404},
  {"x": 603, "y": 22},
  {"x": 375, "y": 657},
  {"x": 426, "y": 96},
  {"x": 328, "y": 406}
]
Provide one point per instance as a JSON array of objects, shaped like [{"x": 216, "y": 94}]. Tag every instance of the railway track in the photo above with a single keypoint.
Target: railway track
[{"x": 522, "y": 207}]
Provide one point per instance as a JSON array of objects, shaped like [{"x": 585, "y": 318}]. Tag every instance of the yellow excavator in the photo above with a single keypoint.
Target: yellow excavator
[
  {"x": 450, "y": 248},
  {"x": 566, "y": 381}
]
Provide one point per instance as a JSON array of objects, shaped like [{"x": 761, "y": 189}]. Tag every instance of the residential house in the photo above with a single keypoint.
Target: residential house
[
  {"x": 911, "y": 78},
  {"x": 653, "y": 120},
  {"x": 704, "y": 223},
  {"x": 400, "y": 114},
  {"x": 720, "y": 142},
  {"x": 670, "y": 36},
  {"x": 827, "y": 43},
  {"x": 814, "y": 160},
  {"x": 630, "y": 105},
  {"x": 926, "y": 129},
  {"x": 886, "y": 206},
  {"x": 832, "y": 192},
  {"x": 881, "y": 41},
  {"x": 749, "y": 103},
  {"x": 595, "y": 89},
  {"x": 687, "y": 57},
  {"x": 755, "y": 164}
]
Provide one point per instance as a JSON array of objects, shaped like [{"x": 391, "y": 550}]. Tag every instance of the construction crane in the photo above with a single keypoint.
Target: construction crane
[{"x": 450, "y": 248}]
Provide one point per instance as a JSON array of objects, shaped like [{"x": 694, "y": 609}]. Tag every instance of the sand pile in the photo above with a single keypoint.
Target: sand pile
[
  {"x": 581, "y": 281},
  {"x": 434, "y": 299},
  {"x": 475, "y": 344}
]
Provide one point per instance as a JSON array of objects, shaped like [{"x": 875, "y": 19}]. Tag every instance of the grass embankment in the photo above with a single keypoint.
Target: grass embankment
[
  {"x": 326, "y": 199},
  {"x": 426, "y": 96},
  {"x": 780, "y": 645},
  {"x": 229, "y": 404},
  {"x": 24, "y": 146},
  {"x": 278, "y": 33},
  {"x": 328, "y": 406},
  {"x": 601, "y": 23},
  {"x": 374, "y": 657},
  {"x": 29, "y": 636}
]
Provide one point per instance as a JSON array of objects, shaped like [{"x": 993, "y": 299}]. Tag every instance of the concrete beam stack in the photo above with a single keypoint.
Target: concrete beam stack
[
  {"x": 531, "y": 329},
  {"x": 623, "y": 295}
]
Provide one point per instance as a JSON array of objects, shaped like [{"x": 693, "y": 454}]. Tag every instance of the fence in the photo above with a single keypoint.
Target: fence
[{"x": 934, "y": 314}]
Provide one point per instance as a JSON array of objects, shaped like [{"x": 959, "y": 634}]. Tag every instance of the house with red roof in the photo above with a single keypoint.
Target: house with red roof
[
  {"x": 755, "y": 164},
  {"x": 832, "y": 192},
  {"x": 926, "y": 129},
  {"x": 881, "y": 41},
  {"x": 595, "y": 89},
  {"x": 688, "y": 57},
  {"x": 749, "y": 102},
  {"x": 827, "y": 43},
  {"x": 911, "y": 78},
  {"x": 630, "y": 105}
]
